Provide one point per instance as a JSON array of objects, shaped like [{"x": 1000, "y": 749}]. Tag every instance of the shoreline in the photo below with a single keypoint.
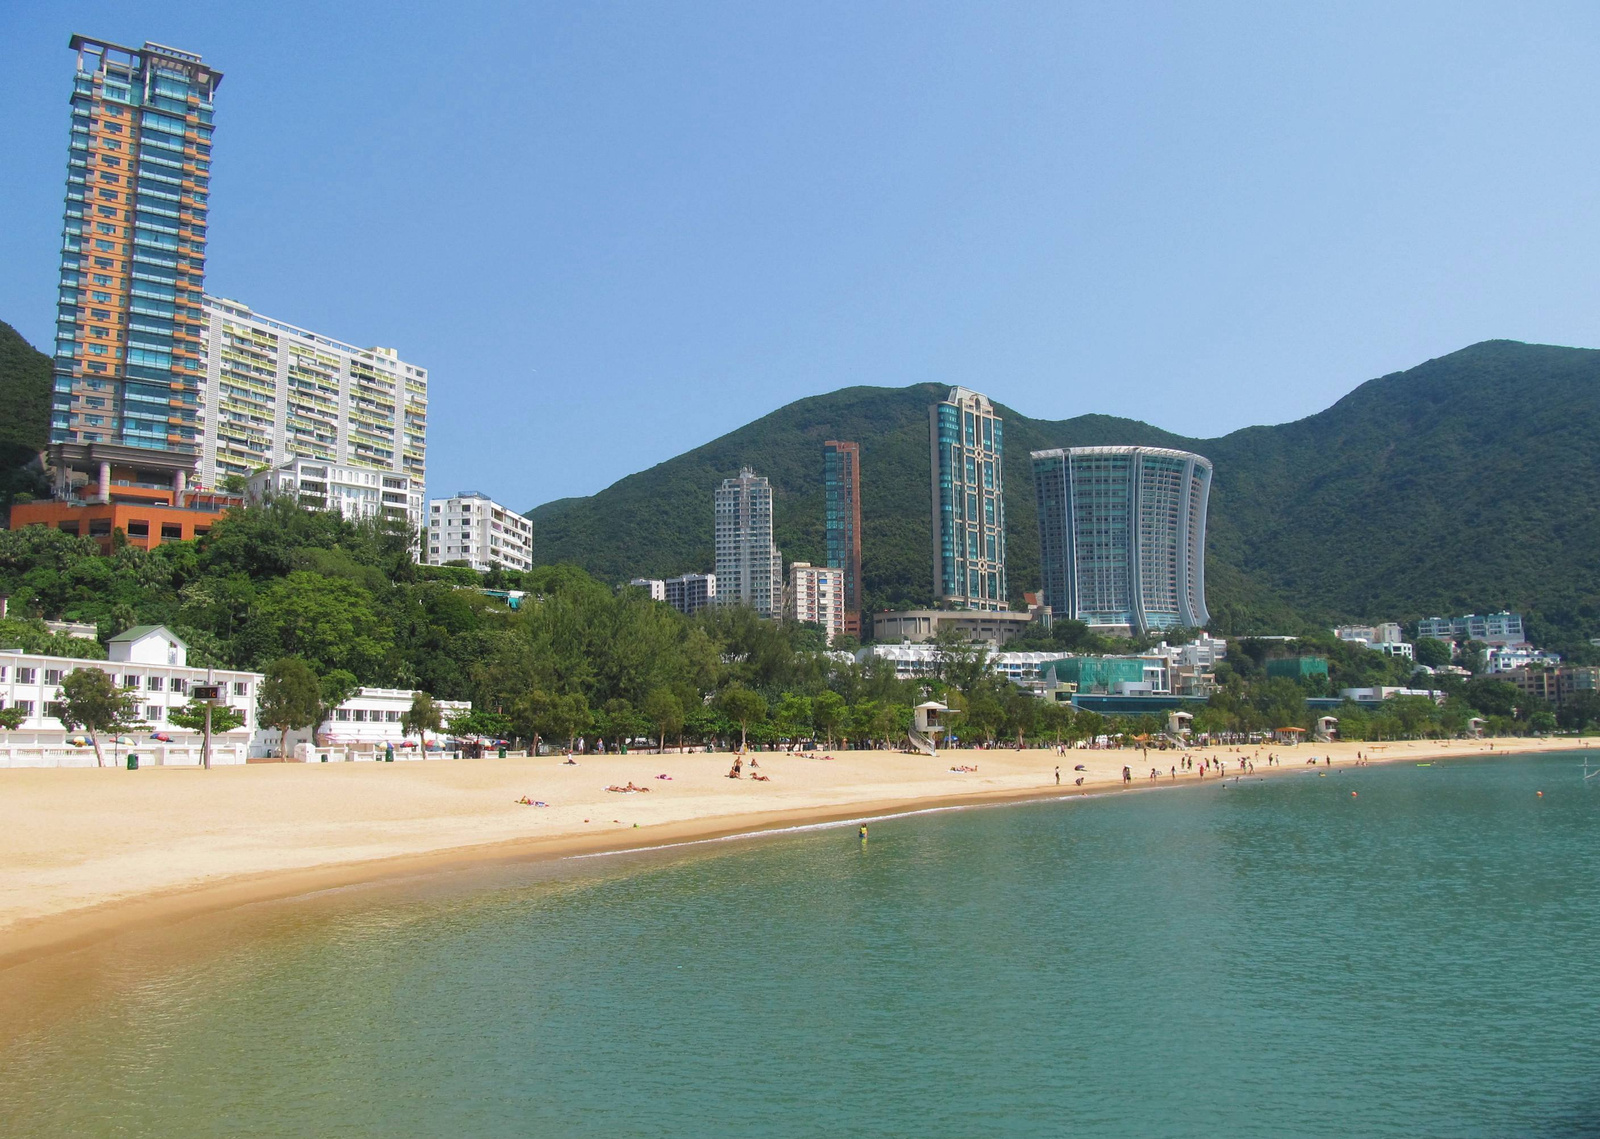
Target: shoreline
[{"x": 149, "y": 905}]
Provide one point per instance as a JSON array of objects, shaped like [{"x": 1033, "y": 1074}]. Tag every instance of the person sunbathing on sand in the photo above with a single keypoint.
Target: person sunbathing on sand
[{"x": 762, "y": 778}]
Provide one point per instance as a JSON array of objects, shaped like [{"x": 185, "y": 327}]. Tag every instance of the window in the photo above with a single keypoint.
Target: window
[
  {"x": 341, "y": 713},
  {"x": 392, "y": 717},
  {"x": 23, "y": 706},
  {"x": 52, "y": 676},
  {"x": 131, "y": 681},
  {"x": 154, "y": 713},
  {"x": 154, "y": 683},
  {"x": 53, "y": 709},
  {"x": 27, "y": 675},
  {"x": 171, "y": 530},
  {"x": 138, "y": 528},
  {"x": 179, "y": 685},
  {"x": 359, "y": 715},
  {"x": 241, "y": 688}
]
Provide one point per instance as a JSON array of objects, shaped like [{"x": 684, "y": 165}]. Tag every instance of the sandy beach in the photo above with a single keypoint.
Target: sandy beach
[{"x": 90, "y": 852}]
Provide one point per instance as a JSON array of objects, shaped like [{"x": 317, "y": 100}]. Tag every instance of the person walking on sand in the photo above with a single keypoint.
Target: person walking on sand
[
  {"x": 1058, "y": 775},
  {"x": 1127, "y": 776}
]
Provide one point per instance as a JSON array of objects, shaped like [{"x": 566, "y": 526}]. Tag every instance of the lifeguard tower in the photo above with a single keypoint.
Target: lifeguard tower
[
  {"x": 1327, "y": 728},
  {"x": 927, "y": 722}
]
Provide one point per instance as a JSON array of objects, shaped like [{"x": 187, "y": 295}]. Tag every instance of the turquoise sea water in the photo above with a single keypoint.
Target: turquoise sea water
[{"x": 1275, "y": 958}]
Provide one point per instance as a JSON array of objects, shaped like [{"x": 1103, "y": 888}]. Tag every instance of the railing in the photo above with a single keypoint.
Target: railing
[
  {"x": 37, "y": 754},
  {"x": 921, "y": 742}
]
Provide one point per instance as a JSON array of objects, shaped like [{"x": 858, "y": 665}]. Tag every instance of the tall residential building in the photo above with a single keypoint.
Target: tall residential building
[
  {"x": 969, "y": 514},
  {"x": 653, "y": 585},
  {"x": 475, "y": 529},
  {"x": 274, "y": 392},
  {"x": 129, "y": 315},
  {"x": 816, "y": 596},
  {"x": 841, "y": 477},
  {"x": 749, "y": 567},
  {"x": 1122, "y": 536}
]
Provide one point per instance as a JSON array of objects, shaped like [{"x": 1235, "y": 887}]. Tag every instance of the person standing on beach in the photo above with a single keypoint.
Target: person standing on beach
[{"x": 1058, "y": 775}]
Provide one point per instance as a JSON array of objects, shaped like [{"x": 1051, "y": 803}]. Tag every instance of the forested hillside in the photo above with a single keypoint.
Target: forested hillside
[
  {"x": 1468, "y": 482},
  {"x": 24, "y": 412}
]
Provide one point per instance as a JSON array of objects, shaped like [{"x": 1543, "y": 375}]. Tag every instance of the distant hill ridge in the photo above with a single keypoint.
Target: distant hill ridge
[{"x": 1468, "y": 482}]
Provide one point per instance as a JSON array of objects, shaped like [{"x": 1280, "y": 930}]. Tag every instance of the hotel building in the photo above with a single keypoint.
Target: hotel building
[
  {"x": 475, "y": 529},
  {"x": 841, "y": 480},
  {"x": 127, "y": 359},
  {"x": 1122, "y": 536},
  {"x": 969, "y": 515},
  {"x": 816, "y": 596},
  {"x": 749, "y": 567},
  {"x": 274, "y": 392}
]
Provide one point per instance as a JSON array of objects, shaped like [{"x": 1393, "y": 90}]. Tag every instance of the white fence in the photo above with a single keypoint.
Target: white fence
[
  {"x": 362, "y": 753},
  {"x": 24, "y": 749}
]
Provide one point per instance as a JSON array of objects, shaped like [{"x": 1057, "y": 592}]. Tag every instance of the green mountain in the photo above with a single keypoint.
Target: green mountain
[
  {"x": 1469, "y": 482},
  {"x": 24, "y": 412}
]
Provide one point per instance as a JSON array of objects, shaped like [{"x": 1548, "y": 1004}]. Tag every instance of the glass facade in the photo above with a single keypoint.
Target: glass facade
[
  {"x": 130, "y": 311},
  {"x": 969, "y": 518},
  {"x": 841, "y": 470},
  {"x": 1122, "y": 535}
]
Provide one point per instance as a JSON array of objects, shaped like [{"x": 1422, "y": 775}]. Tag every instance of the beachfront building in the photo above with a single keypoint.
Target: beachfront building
[
  {"x": 969, "y": 514},
  {"x": 1502, "y": 628},
  {"x": 355, "y": 492},
  {"x": 101, "y": 489},
  {"x": 1144, "y": 675},
  {"x": 475, "y": 529},
  {"x": 129, "y": 318},
  {"x": 148, "y": 659},
  {"x": 274, "y": 392},
  {"x": 815, "y": 596},
  {"x": 749, "y": 567},
  {"x": 841, "y": 491},
  {"x": 1553, "y": 684},
  {"x": 913, "y": 661},
  {"x": 914, "y": 626},
  {"x": 1122, "y": 536},
  {"x": 360, "y": 727}
]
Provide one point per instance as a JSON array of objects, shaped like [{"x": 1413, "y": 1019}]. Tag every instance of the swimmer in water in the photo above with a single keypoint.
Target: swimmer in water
[{"x": 862, "y": 833}]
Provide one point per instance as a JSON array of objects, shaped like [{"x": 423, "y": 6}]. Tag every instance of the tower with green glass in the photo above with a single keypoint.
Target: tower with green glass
[
  {"x": 128, "y": 364},
  {"x": 1122, "y": 536},
  {"x": 969, "y": 514}
]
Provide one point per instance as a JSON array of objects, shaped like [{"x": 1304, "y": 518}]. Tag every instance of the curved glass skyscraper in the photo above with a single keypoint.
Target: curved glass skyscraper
[{"x": 1122, "y": 536}]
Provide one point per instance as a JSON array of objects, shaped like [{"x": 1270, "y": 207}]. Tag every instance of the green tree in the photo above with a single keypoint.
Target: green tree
[
  {"x": 1022, "y": 713},
  {"x": 290, "y": 698},
  {"x": 90, "y": 699},
  {"x": 828, "y": 713},
  {"x": 666, "y": 712},
  {"x": 478, "y": 722},
  {"x": 793, "y": 716},
  {"x": 336, "y": 687},
  {"x": 1432, "y": 652},
  {"x": 422, "y": 717},
  {"x": 329, "y": 622},
  {"x": 743, "y": 707},
  {"x": 12, "y": 718}
]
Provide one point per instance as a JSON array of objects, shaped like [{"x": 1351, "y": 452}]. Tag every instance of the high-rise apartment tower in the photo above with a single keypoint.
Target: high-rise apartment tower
[
  {"x": 749, "y": 567},
  {"x": 969, "y": 514},
  {"x": 130, "y": 313},
  {"x": 1122, "y": 536},
  {"x": 841, "y": 470}
]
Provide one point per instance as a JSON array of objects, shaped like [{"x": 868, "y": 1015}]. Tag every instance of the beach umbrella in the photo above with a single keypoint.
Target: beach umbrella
[
  {"x": 79, "y": 741},
  {"x": 162, "y": 736},
  {"x": 125, "y": 741}
]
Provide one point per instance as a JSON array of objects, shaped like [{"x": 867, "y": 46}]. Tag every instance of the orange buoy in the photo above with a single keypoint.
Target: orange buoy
[
  {"x": 1353, "y": 795},
  {"x": 1540, "y": 794}
]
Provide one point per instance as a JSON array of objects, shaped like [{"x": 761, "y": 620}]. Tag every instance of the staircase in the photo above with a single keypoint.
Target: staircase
[{"x": 921, "y": 742}]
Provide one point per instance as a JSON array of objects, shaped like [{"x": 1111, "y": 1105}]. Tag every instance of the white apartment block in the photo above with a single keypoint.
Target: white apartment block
[
  {"x": 816, "y": 596},
  {"x": 355, "y": 492},
  {"x": 149, "y": 659},
  {"x": 475, "y": 529},
  {"x": 749, "y": 567},
  {"x": 274, "y": 392}
]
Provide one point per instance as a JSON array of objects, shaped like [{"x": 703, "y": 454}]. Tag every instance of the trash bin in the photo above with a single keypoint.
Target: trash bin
[
  {"x": 133, "y": 762},
  {"x": 502, "y": 751},
  {"x": 324, "y": 758}
]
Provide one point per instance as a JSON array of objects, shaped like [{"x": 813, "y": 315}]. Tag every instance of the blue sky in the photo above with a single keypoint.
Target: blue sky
[{"x": 614, "y": 232}]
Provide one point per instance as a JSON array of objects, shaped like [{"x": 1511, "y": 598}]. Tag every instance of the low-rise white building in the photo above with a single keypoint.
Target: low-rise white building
[
  {"x": 475, "y": 529},
  {"x": 355, "y": 492},
  {"x": 1505, "y": 658},
  {"x": 149, "y": 659},
  {"x": 364, "y": 723}
]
